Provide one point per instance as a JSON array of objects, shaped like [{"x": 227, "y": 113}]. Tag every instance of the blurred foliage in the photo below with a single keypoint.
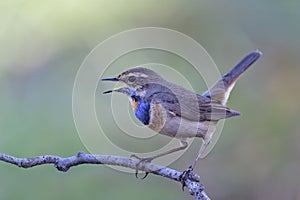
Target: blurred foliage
[{"x": 43, "y": 43}]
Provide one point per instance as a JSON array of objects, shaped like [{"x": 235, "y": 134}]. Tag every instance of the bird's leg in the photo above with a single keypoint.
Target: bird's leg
[
  {"x": 201, "y": 151},
  {"x": 187, "y": 171},
  {"x": 206, "y": 140},
  {"x": 183, "y": 145}
]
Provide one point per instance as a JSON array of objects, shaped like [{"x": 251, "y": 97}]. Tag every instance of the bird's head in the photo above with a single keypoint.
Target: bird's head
[{"x": 135, "y": 80}]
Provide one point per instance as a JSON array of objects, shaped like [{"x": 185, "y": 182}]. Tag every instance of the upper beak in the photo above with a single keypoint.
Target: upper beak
[{"x": 110, "y": 79}]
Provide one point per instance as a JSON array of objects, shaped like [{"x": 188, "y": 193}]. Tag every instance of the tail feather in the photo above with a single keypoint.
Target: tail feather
[{"x": 220, "y": 91}]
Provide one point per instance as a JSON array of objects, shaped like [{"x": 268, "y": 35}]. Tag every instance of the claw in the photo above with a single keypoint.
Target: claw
[
  {"x": 146, "y": 174},
  {"x": 141, "y": 160},
  {"x": 185, "y": 174}
]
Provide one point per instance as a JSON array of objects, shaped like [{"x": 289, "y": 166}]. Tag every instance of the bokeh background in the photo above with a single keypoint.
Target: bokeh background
[{"x": 43, "y": 43}]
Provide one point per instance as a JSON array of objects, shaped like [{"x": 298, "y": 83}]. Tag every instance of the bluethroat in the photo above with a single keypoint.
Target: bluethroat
[{"x": 172, "y": 110}]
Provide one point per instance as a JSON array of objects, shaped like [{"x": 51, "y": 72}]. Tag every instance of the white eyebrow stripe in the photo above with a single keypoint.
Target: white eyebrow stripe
[{"x": 137, "y": 74}]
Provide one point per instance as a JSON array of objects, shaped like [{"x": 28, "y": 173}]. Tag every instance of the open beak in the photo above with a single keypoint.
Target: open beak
[
  {"x": 110, "y": 79},
  {"x": 125, "y": 90}
]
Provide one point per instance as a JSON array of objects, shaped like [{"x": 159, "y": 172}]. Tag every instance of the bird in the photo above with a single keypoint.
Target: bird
[{"x": 172, "y": 110}]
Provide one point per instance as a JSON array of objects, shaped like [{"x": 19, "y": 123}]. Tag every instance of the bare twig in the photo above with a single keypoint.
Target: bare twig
[{"x": 64, "y": 164}]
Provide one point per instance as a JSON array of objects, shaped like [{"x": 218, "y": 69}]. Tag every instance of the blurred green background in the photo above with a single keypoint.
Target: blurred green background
[{"x": 43, "y": 43}]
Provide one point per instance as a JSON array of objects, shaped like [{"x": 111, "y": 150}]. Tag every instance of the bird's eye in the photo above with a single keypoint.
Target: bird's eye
[{"x": 131, "y": 78}]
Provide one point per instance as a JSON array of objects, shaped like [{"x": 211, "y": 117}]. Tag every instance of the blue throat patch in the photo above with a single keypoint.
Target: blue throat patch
[{"x": 143, "y": 112}]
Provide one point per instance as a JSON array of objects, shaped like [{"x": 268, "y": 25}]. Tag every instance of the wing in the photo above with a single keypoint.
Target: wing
[{"x": 184, "y": 103}]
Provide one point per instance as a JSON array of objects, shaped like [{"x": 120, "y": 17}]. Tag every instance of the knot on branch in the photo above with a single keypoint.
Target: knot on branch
[
  {"x": 64, "y": 164},
  {"x": 61, "y": 165}
]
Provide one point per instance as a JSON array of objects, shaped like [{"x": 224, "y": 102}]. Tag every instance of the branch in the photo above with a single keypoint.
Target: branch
[{"x": 64, "y": 164}]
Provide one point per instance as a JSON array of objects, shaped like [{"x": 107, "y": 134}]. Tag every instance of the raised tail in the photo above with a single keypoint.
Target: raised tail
[{"x": 220, "y": 91}]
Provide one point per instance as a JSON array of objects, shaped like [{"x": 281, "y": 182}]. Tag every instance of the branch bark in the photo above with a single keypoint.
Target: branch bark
[{"x": 64, "y": 164}]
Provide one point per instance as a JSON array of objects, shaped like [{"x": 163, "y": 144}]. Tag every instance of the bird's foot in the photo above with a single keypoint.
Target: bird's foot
[
  {"x": 185, "y": 174},
  {"x": 141, "y": 160}
]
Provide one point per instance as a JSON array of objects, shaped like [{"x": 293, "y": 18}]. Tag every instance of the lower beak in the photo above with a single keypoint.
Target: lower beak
[
  {"x": 124, "y": 90},
  {"x": 108, "y": 91}
]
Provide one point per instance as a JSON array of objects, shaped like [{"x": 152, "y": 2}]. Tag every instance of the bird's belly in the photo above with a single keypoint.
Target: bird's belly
[{"x": 182, "y": 128}]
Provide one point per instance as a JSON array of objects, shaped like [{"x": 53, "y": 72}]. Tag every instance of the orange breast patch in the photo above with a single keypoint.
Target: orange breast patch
[{"x": 134, "y": 104}]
